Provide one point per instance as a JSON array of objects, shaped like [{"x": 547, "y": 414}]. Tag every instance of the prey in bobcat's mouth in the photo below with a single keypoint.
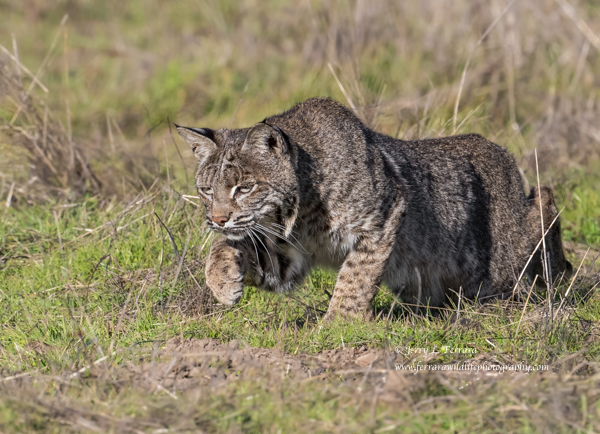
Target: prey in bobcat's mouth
[{"x": 314, "y": 186}]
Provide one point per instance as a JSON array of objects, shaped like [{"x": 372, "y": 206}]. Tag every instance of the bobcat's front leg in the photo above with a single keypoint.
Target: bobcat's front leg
[
  {"x": 228, "y": 267},
  {"x": 362, "y": 271},
  {"x": 357, "y": 284}
]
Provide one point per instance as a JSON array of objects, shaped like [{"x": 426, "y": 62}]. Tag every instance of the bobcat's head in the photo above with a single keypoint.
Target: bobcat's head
[{"x": 245, "y": 178}]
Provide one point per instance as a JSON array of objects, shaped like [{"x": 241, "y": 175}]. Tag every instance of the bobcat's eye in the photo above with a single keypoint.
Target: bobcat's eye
[
  {"x": 206, "y": 191},
  {"x": 238, "y": 190}
]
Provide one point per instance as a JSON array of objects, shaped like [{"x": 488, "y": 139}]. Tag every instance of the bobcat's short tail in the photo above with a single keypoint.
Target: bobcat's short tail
[{"x": 559, "y": 266}]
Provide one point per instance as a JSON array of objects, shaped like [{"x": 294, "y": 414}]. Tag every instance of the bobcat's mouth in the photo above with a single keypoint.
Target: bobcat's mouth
[{"x": 235, "y": 233}]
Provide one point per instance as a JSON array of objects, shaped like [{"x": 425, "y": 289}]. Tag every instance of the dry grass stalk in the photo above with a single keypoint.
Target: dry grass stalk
[{"x": 33, "y": 128}]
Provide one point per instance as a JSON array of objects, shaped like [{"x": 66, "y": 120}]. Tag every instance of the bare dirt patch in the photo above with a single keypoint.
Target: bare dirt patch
[
  {"x": 206, "y": 362},
  {"x": 184, "y": 365},
  {"x": 190, "y": 384}
]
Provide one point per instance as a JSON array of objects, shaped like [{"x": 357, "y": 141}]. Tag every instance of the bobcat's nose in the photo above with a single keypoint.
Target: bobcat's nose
[{"x": 220, "y": 220}]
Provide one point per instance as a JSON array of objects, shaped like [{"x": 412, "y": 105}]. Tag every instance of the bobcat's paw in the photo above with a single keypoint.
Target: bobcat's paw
[
  {"x": 341, "y": 313},
  {"x": 226, "y": 291},
  {"x": 224, "y": 273}
]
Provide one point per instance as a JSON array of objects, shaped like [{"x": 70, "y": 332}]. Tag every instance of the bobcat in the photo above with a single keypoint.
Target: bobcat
[{"x": 313, "y": 186}]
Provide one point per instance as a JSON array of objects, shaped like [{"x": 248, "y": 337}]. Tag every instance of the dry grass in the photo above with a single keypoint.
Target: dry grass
[
  {"x": 201, "y": 385},
  {"x": 56, "y": 161}
]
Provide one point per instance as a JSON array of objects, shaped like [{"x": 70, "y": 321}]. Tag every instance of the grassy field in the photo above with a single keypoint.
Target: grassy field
[{"x": 106, "y": 324}]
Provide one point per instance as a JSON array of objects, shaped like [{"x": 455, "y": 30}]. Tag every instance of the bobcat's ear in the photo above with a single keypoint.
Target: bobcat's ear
[
  {"x": 266, "y": 138},
  {"x": 202, "y": 141}
]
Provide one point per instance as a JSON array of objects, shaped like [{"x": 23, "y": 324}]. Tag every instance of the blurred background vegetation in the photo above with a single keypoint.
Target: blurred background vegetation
[
  {"x": 118, "y": 71},
  {"x": 91, "y": 176}
]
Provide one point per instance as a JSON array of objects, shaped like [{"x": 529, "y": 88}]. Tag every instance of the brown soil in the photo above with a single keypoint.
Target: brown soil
[
  {"x": 192, "y": 362},
  {"x": 192, "y": 376}
]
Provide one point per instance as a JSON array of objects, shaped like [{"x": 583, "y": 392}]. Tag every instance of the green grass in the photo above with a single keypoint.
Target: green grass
[
  {"x": 63, "y": 308},
  {"x": 53, "y": 291},
  {"x": 580, "y": 195}
]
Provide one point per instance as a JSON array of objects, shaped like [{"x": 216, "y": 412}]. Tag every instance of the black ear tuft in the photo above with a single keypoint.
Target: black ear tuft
[{"x": 206, "y": 132}]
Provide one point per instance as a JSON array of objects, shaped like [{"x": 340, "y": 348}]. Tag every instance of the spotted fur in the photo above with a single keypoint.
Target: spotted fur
[{"x": 313, "y": 186}]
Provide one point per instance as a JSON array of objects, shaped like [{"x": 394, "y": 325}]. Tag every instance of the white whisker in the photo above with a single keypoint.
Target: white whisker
[
  {"x": 255, "y": 249},
  {"x": 283, "y": 228},
  {"x": 280, "y": 236},
  {"x": 267, "y": 250},
  {"x": 266, "y": 231},
  {"x": 291, "y": 235},
  {"x": 266, "y": 235}
]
